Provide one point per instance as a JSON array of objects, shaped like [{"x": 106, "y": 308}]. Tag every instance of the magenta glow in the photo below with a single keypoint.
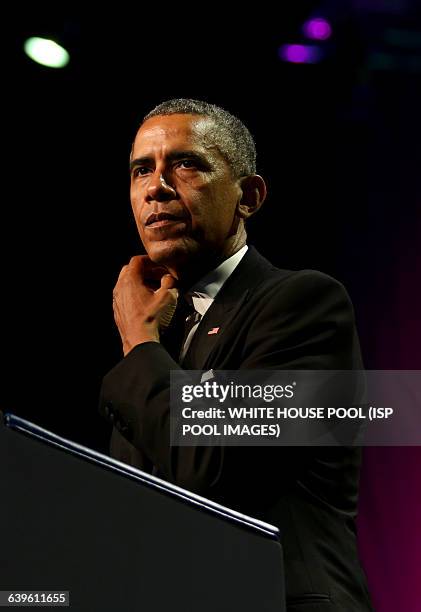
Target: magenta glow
[
  {"x": 317, "y": 28},
  {"x": 299, "y": 54}
]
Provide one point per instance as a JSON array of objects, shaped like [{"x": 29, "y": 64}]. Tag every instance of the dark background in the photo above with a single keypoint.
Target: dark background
[{"x": 338, "y": 142}]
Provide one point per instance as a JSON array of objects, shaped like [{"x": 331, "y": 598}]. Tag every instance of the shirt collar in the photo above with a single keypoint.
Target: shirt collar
[{"x": 206, "y": 289}]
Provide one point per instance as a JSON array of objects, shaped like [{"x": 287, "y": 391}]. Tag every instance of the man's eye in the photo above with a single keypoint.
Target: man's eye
[
  {"x": 187, "y": 163},
  {"x": 140, "y": 171}
]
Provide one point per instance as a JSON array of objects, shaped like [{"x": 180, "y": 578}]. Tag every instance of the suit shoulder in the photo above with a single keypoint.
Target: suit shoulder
[{"x": 301, "y": 282}]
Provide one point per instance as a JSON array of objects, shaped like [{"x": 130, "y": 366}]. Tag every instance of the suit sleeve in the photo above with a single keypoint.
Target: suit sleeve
[
  {"x": 136, "y": 394},
  {"x": 305, "y": 322}
]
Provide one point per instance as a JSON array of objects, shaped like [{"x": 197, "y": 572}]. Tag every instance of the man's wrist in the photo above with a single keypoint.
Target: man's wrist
[{"x": 128, "y": 346}]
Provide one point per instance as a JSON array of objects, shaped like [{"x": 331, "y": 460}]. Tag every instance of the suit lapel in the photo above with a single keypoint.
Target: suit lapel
[
  {"x": 217, "y": 321},
  {"x": 225, "y": 308}
]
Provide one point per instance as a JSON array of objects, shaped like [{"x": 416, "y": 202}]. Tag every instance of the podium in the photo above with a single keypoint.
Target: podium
[{"x": 121, "y": 540}]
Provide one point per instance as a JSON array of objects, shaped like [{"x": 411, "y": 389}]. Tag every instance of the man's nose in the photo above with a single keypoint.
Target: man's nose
[{"x": 159, "y": 190}]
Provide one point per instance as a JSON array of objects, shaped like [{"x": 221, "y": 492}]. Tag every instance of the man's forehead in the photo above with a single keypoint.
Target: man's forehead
[{"x": 177, "y": 129}]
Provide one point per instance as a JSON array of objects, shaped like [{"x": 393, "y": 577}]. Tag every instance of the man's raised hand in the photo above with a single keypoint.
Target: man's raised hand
[{"x": 144, "y": 300}]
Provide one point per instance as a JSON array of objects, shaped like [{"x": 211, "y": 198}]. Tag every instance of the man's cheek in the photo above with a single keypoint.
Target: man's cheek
[{"x": 136, "y": 209}]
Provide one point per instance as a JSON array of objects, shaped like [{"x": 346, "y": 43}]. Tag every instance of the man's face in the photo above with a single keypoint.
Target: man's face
[{"x": 183, "y": 194}]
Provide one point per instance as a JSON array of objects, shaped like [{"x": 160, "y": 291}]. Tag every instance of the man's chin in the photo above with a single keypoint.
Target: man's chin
[{"x": 170, "y": 253}]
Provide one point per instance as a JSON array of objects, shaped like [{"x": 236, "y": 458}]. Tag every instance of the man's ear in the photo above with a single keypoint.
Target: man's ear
[{"x": 253, "y": 195}]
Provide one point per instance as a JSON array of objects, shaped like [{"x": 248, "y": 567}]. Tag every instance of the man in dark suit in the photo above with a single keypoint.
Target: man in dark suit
[{"x": 193, "y": 185}]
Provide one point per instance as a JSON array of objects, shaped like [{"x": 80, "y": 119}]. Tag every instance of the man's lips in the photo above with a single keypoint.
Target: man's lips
[{"x": 163, "y": 219}]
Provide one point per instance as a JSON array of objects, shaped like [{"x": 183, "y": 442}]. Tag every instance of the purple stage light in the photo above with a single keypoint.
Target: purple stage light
[
  {"x": 317, "y": 28},
  {"x": 299, "y": 54}
]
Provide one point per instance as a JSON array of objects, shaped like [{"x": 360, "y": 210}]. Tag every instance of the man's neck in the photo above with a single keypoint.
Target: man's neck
[{"x": 203, "y": 265}]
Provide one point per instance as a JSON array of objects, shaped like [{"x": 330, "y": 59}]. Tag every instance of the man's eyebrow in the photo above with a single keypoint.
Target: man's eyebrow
[
  {"x": 173, "y": 156},
  {"x": 176, "y": 155},
  {"x": 140, "y": 161}
]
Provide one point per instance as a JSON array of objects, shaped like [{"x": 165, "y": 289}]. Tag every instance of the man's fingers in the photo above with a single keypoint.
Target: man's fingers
[
  {"x": 165, "y": 295},
  {"x": 146, "y": 267},
  {"x": 144, "y": 293},
  {"x": 137, "y": 261},
  {"x": 165, "y": 305},
  {"x": 142, "y": 268},
  {"x": 165, "y": 299},
  {"x": 168, "y": 281}
]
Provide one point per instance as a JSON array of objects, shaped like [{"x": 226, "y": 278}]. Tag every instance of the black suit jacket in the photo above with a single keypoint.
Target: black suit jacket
[{"x": 268, "y": 319}]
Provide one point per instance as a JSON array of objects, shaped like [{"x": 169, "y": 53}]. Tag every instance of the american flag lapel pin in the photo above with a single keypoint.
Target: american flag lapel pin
[{"x": 214, "y": 330}]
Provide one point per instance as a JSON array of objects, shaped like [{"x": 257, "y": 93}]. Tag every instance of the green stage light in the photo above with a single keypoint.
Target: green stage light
[{"x": 46, "y": 52}]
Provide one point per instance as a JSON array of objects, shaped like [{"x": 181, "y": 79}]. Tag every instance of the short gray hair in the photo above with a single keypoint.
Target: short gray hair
[{"x": 230, "y": 136}]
